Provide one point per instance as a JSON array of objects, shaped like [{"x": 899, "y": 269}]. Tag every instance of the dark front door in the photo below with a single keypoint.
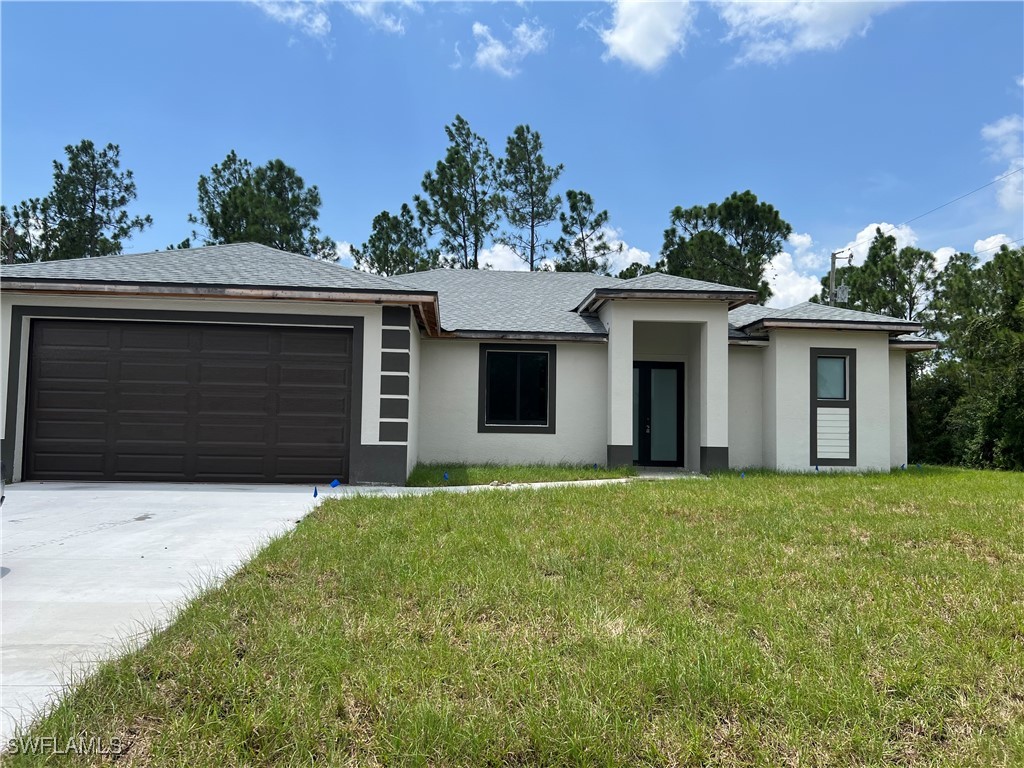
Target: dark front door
[
  {"x": 658, "y": 405},
  {"x": 188, "y": 402}
]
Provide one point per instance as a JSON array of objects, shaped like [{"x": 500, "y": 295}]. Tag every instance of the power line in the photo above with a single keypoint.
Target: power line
[{"x": 894, "y": 227}]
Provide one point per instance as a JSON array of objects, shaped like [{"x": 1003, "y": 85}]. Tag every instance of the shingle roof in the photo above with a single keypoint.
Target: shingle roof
[
  {"x": 659, "y": 281},
  {"x": 516, "y": 302},
  {"x": 241, "y": 264},
  {"x": 811, "y": 311}
]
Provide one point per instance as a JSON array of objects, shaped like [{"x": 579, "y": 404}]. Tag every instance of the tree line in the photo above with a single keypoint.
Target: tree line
[
  {"x": 966, "y": 401},
  {"x": 468, "y": 202}
]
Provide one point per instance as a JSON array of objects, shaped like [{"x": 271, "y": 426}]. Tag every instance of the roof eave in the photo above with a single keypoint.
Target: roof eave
[
  {"x": 832, "y": 325},
  {"x": 916, "y": 345},
  {"x": 526, "y": 336},
  {"x": 599, "y": 296},
  {"x": 424, "y": 303}
]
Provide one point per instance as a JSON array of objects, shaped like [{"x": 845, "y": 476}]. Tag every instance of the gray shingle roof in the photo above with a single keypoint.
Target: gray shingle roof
[
  {"x": 517, "y": 302},
  {"x": 659, "y": 281},
  {"x": 824, "y": 313},
  {"x": 241, "y": 264}
]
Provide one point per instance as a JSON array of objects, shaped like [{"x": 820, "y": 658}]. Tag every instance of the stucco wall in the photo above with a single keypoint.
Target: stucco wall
[
  {"x": 746, "y": 407},
  {"x": 13, "y": 423},
  {"x": 898, "y": 407},
  {"x": 790, "y": 437},
  {"x": 710, "y": 366},
  {"x": 449, "y": 383}
]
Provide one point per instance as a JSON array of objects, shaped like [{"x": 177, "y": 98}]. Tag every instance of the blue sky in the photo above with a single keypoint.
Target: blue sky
[{"x": 842, "y": 115}]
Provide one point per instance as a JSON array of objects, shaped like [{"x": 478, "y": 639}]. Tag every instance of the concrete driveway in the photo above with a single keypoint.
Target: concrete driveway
[{"x": 89, "y": 569}]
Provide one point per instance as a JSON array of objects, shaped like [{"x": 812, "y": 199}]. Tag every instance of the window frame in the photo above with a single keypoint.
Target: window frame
[
  {"x": 850, "y": 403},
  {"x": 516, "y": 428}
]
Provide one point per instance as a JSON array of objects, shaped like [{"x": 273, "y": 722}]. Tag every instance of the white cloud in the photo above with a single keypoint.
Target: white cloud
[
  {"x": 504, "y": 58},
  {"x": 344, "y": 250},
  {"x": 772, "y": 32},
  {"x": 645, "y": 34},
  {"x": 804, "y": 257},
  {"x": 986, "y": 247},
  {"x": 789, "y": 285},
  {"x": 1005, "y": 140},
  {"x": 501, "y": 257},
  {"x": 377, "y": 13},
  {"x": 307, "y": 16},
  {"x": 623, "y": 254},
  {"x": 1020, "y": 81},
  {"x": 862, "y": 241},
  {"x": 942, "y": 256}
]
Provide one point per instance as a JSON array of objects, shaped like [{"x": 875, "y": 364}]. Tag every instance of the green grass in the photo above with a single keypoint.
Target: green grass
[
  {"x": 772, "y": 620},
  {"x": 425, "y": 475}
]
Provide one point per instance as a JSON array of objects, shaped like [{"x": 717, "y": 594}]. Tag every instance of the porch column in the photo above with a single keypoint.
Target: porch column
[
  {"x": 714, "y": 385},
  {"x": 620, "y": 386}
]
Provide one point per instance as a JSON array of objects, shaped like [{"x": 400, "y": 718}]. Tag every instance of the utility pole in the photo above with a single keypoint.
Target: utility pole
[{"x": 832, "y": 276}]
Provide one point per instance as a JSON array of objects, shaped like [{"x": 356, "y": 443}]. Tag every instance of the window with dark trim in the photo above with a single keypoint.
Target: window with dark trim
[
  {"x": 833, "y": 393},
  {"x": 517, "y": 388}
]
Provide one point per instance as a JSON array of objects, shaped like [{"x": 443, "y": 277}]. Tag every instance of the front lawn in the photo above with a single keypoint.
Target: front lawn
[
  {"x": 768, "y": 620},
  {"x": 484, "y": 474}
]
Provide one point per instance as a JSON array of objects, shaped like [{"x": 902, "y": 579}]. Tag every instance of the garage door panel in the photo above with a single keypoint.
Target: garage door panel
[
  {"x": 154, "y": 373},
  {"x": 151, "y": 337},
  {"x": 312, "y": 406},
  {"x": 58, "y": 464},
  {"x": 173, "y": 401},
  {"x": 59, "y": 429},
  {"x": 76, "y": 370},
  {"x": 245, "y": 374},
  {"x": 314, "y": 375},
  {"x": 236, "y": 341}
]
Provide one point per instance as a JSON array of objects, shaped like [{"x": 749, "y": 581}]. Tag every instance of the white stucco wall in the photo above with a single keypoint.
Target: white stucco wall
[
  {"x": 13, "y": 424},
  {"x": 898, "y": 407},
  {"x": 746, "y": 406},
  {"x": 709, "y": 363},
  {"x": 449, "y": 384},
  {"x": 789, "y": 357}
]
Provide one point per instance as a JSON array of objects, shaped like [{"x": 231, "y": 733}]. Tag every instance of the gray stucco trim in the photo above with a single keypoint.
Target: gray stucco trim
[
  {"x": 394, "y": 362},
  {"x": 394, "y": 385},
  {"x": 850, "y": 403},
  {"x": 361, "y": 470},
  {"x": 394, "y": 408},
  {"x": 713, "y": 458},
  {"x": 620, "y": 455},
  {"x": 396, "y": 316},
  {"x": 394, "y": 431},
  {"x": 526, "y": 429},
  {"x": 394, "y": 339},
  {"x": 379, "y": 465}
]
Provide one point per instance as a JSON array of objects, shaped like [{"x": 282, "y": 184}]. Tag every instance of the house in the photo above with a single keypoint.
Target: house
[{"x": 242, "y": 363}]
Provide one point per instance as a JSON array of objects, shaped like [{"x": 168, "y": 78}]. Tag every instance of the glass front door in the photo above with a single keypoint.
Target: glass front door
[{"x": 658, "y": 414}]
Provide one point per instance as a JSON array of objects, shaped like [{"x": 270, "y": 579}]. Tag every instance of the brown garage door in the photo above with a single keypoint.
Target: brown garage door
[{"x": 181, "y": 402}]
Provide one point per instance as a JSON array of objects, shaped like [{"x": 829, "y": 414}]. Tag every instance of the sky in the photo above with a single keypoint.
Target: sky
[{"x": 844, "y": 116}]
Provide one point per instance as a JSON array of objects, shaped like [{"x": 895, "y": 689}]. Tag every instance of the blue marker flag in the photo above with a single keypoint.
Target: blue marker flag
[
  {"x": 314, "y": 492},
  {"x": 815, "y": 467},
  {"x": 446, "y": 477},
  {"x": 903, "y": 466},
  {"x": 743, "y": 474},
  {"x": 335, "y": 483}
]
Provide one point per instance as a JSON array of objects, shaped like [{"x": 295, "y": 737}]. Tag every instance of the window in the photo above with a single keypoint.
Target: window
[
  {"x": 833, "y": 406},
  {"x": 516, "y": 388},
  {"x": 832, "y": 378}
]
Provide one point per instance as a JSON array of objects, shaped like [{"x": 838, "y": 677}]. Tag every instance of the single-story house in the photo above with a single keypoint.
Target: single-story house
[{"x": 242, "y": 363}]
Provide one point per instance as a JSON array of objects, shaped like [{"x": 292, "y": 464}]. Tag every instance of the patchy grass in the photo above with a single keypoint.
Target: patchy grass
[
  {"x": 430, "y": 475},
  {"x": 773, "y": 620}
]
